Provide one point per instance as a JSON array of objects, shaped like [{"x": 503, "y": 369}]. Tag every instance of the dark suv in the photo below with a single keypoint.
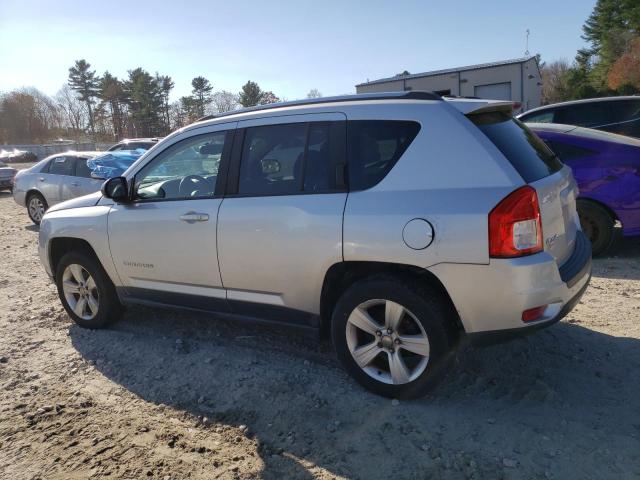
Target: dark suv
[{"x": 613, "y": 114}]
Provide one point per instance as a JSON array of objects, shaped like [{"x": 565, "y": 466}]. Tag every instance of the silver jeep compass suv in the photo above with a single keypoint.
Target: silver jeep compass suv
[{"x": 398, "y": 223}]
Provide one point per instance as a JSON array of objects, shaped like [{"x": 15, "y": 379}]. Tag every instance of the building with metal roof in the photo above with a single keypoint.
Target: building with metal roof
[{"x": 517, "y": 80}]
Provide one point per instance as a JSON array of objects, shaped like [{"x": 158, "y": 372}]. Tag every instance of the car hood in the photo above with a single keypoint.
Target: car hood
[{"x": 87, "y": 201}]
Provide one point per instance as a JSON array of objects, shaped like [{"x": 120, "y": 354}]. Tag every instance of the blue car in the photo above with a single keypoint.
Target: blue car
[
  {"x": 607, "y": 169},
  {"x": 113, "y": 164}
]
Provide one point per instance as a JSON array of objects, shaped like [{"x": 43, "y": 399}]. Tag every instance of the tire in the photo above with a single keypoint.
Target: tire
[
  {"x": 425, "y": 314},
  {"x": 101, "y": 305},
  {"x": 597, "y": 224},
  {"x": 36, "y": 207}
]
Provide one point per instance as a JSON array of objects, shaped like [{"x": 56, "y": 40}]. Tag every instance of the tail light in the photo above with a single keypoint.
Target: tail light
[
  {"x": 533, "y": 314},
  {"x": 514, "y": 225}
]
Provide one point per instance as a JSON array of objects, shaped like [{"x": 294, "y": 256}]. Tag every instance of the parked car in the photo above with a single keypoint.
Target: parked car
[
  {"x": 399, "y": 223},
  {"x": 6, "y": 176},
  {"x": 17, "y": 156},
  {"x": 134, "y": 144},
  {"x": 607, "y": 169},
  {"x": 612, "y": 114},
  {"x": 67, "y": 175}
]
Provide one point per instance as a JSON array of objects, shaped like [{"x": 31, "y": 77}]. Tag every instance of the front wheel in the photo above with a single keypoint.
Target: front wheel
[
  {"x": 393, "y": 337},
  {"x": 86, "y": 292}
]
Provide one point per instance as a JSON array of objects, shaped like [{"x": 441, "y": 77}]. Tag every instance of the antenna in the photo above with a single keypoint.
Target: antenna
[{"x": 526, "y": 48}]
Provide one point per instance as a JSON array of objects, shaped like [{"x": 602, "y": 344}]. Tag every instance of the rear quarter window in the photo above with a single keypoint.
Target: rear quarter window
[
  {"x": 374, "y": 147},
  {"x": 529, "y": 155}
]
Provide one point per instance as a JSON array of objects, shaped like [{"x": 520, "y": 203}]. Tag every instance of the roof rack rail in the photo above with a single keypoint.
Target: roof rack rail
[{"x": 409, "y": 95}]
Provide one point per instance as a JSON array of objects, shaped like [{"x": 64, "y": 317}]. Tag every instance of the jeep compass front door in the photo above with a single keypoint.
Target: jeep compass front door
[{"x": 163, "y": 243}]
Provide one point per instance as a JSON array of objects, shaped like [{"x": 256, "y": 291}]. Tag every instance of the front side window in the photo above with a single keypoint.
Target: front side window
[
  {"x": 186, "y": 170},
  {"x": 273, "y": 159},
  {"x": 374, "y": 147},
  {"x": 62, "y": 166}
]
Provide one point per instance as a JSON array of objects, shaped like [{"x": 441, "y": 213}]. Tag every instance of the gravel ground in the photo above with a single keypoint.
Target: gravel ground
[{"x": 171, "y": 395}]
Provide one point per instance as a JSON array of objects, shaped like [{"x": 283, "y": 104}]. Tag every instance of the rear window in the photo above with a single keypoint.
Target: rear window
[
  {"x": 62, "y": 166},
  {"x": 529, "y": 155},
  {"x": 374, "y": 147}
]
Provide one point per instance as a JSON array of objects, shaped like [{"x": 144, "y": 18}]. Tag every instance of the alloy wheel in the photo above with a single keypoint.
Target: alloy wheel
[
  {"x": 80, "y": 291},
  {"x": 387, "y": 341},
  {"x": 36, "y": 209}
]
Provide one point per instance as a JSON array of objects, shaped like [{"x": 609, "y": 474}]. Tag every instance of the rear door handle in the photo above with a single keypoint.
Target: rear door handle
[
  {"x": 75, "y": 184},
  {"x": 192, "y": 217},
  {"x": 41, "y": 179}
]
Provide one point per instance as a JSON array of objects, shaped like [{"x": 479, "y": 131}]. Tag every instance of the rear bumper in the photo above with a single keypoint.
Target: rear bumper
[
  {"x": 6, "y": 182},
  {"x": 490, "y": 298}
]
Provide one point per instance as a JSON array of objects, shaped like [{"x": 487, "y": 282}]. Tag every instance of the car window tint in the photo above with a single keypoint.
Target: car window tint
[
  {"x": 82, "y": 170},
  {"x": 625, "y": 110},
  {"x": 539, "y": 117},
  {"x": 568, "y": 152},
  {"x": 318, "y": 169},
  {"x": 374, "y": 147},
  {"x": 62, "y": 166},
  {"x": 272, "y": 160},
  {"x": 589, "y": 114},
  {"x": 186, "y": 170},
  {"x": 529, "y": 155}
]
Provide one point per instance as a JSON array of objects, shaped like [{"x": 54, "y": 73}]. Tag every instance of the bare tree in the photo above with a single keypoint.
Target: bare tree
[
  {"x": 555, "y": 82},
  {"x": 314, "y": 93},
  {"x": 224, "y": 101},
  {"x": 74, "y": 109}
]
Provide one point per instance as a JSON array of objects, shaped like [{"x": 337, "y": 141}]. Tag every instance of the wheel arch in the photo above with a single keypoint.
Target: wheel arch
[
  {"x": 601, "y": 204},
  {"x": 59, "y": 246},
  {"x": 340, "y": 276}
]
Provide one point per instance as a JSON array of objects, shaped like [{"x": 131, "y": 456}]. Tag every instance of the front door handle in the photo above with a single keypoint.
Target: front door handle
[
  {"x": 75, "y": 184},
  {"x": 41, "y": 179},
  {"x": 192, "y": 217}
]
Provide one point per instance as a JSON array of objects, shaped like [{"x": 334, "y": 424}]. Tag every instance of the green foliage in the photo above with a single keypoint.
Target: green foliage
[
  {"x": 145, "y": 101},
  {"x": 84, "y": 81},
  {"x": 251, "y": 94}
]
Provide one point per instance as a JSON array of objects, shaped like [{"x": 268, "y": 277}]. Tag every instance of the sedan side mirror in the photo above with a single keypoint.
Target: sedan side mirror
[{"x": 116, "y": 189}]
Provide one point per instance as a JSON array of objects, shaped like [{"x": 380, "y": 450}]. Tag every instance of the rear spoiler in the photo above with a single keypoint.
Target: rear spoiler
[{"x": 473, "y": 106}]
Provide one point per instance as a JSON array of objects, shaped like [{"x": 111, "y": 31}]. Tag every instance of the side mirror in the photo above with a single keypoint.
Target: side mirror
[{"x": 116, "y": 189}]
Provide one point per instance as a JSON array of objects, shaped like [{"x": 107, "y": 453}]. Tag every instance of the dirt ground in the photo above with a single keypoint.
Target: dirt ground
[{"x": 172, "y": 395}]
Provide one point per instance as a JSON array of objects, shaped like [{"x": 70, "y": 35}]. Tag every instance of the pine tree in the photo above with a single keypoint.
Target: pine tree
[
  {"x": 145, "y": 101},
  {"x": 201, "y": 94},
  {"x": 250, "y": 95},
  {"x": 84, "y": 81},
  {"x": 112, "y": 93},
  {"x": 166, "y": 85}
]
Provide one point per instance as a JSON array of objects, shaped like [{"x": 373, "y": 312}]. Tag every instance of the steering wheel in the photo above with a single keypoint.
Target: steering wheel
[{"x": 192, "y": 183}]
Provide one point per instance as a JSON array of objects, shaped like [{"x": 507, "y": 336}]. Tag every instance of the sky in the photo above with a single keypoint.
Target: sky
[{"x": 287, "y": 46}]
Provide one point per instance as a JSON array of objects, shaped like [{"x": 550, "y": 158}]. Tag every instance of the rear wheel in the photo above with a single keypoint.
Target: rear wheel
[
  {"x": 86, "y": 292},
  {"x": 392, "y": 337},
  {"x": 597, "y": 224},
  {"x": 36, "y": 207}
]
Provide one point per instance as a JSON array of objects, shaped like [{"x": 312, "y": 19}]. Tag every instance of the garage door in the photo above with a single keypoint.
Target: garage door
[{"x": 494, "y": 91}]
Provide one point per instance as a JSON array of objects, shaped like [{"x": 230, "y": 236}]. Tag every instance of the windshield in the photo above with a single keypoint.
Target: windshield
[{"x": 113, "y": 164}]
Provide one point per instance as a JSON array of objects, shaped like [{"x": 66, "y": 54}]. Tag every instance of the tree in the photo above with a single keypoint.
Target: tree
[
  {"x": 251, "y": 94},
  {"x": 314, "y": 93},
  {"x": 625, "y": 72},
  {"x": 73, "y": 109},
  {"x": 555, "y": 82},
  {"x": 27, "y": 115},
  {"x": 201, "y": 91},
  {"x": 144, "y": 99},
  {"x": 84, "y": 81},
  {"x": 166, "y": 85},
  {"x": 112, "y": 93},
  {"x": 268, "y": 97},
  {"x": 224, "y": 101}
]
